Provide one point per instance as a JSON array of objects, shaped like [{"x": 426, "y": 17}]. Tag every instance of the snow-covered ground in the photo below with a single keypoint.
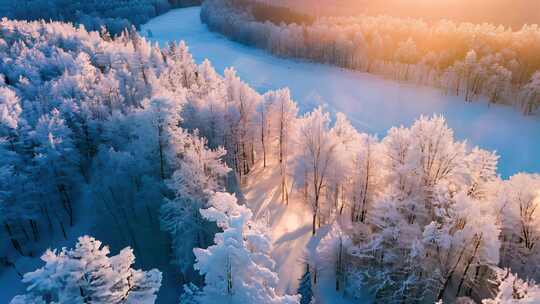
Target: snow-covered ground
[
  {"x": 290, "y": 229},
  {"x": 289, "y": 224},
  {"x": 372, "y": 103}
]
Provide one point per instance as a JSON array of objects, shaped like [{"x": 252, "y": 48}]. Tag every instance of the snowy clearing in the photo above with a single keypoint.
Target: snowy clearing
[{"x": 372, "y": 103}]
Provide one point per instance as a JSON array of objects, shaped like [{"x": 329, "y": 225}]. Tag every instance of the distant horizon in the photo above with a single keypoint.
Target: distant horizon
[{"x": 510, "y": 13}]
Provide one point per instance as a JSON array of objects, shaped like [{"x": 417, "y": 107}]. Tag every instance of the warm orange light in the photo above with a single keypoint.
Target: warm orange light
[{"x": 513, "y": 13}]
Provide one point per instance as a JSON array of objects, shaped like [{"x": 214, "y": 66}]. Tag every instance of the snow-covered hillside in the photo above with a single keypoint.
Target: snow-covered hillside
[
  {"x": 372, "y": 103},
  {"x": 142, "y": 148}
]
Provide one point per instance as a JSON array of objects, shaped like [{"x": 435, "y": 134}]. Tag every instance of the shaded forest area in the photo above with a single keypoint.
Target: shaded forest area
[
  {"x": 276, "y": 14},
  {"x": 114, "y": 15}
]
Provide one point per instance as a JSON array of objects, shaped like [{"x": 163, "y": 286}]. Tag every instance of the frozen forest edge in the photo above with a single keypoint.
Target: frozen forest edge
[
  {"x": 143, "y": 132},
  {"x": 475, "y": 61}
]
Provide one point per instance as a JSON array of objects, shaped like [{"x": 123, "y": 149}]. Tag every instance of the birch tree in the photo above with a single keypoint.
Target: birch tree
[{"x": 317, "y": 149}]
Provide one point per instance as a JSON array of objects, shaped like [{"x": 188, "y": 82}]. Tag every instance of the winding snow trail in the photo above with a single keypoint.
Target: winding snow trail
[{"x": 372, "y": 103}]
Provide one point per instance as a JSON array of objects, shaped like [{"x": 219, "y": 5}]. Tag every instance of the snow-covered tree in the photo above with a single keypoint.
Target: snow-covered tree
[
  {"x": 367, "y": 178},
  {"x": 86, "y": 274},
  {"x": 464, "y": 243},
  {"x": 421, "y": 159},
  {"x": 200, "y": 173},
  {"x": 481, "y": 172},
  {"x": 161, "y": 115},
  {"x": 341, "y": 172},
  {"x": 282, "y": 122},
  {"x": 10, "y": 110},
  {"x": 238, "y": 267},
  {"x": 433, "y": 232},
  {"x": 531, "y": 94},
  {"x": 317, "y": 147},
  {"x": 241, "y": 122},
  {"x": 518, "y": 200},
  {"x": 407, "y": 54},
  {"x": 181, "y": 70},
  {"x": 513, "y": 290},
  {"x": 56, "y": 160},
  {"x": 15, "y": 200}
]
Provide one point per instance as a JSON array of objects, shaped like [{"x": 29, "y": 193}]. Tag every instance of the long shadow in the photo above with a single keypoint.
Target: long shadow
[{"x": 290, "y": 236}]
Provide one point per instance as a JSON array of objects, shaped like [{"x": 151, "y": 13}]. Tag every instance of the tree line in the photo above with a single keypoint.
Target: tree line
[
  {"x": 114, "y": 15},
  {"x": 470, "y": 60}
]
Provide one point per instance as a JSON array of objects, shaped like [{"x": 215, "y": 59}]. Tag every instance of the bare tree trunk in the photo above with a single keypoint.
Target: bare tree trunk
[
  {"x": 283, "y": 187},
  {"x": 14, "y": 242},
  {"x": 314, "y": 228},
  {"x": 229, "y": 277},
  {"x": 45, "y": 211},
  {"x": 366, "y": 186},
  {"x": 21, "y": 226},
  {"x": 63, "y": 229},
  {"x": 35, "y": 230},
  {"x": 66, "y": 202},
  {"x": 469, "y": 262},
  {"x": 263, "y": 142},
  {"x": 354, "y": 217},
  {"x": 450, "y": 274},
  {"x": 244, "y": 159},
  {"x": 286, "y": 191},
  {"x": 149, "y": 212},
  {"x": 161, "y": 158},
  {"x": 407, "y": 72},
  {"x": 339, "y": 266},
  {"x": 336, "y": 197},
  {"x": 8, "y": 229}
]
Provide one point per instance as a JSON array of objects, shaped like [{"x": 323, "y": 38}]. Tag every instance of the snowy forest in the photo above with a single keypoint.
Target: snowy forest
[
  {"x": 156, "y": 153},
  {"x": 473, "y": 60},
  {"x": 114, "y": 15}
]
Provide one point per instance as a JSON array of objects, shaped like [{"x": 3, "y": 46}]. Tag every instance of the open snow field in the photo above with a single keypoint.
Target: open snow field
[{"x": 372, "y": 103}]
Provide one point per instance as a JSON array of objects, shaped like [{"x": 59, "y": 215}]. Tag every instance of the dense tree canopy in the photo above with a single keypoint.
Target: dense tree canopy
[
  {"x": 115, "y": 15},
  {"x": 149, "y": 138}
]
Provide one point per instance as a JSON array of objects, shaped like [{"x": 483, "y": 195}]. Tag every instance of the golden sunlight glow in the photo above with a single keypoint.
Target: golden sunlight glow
[
  {"x": 513, "y": 13},
  {"x": 292, "y": 222}
]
